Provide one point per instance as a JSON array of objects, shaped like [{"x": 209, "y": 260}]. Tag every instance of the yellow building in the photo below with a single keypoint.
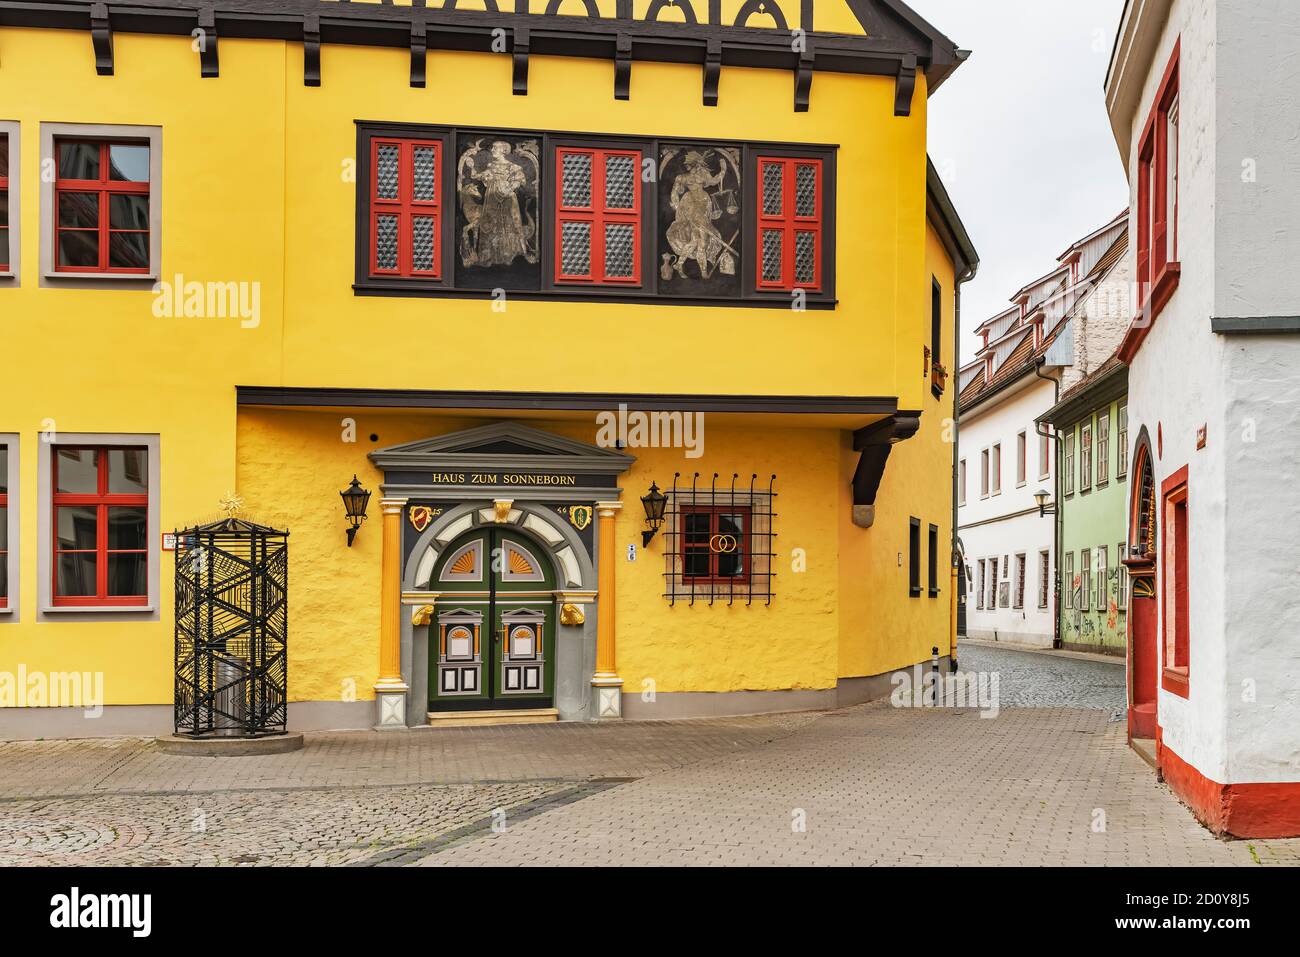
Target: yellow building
[{"x": 511, "y": 268}]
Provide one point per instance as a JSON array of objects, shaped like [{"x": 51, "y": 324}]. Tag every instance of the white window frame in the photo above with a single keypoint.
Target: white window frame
[
  {"x": 12, "y": 131},
  {"x": 1121, "y": 441},
  {"x": 984, "y": 473},
  {"x": 1068, "y": 574},
  {"x": 1101, "y": 446},
  {"x": 979, "y": 595},
  {"x": 1121, "y": 579},
  {"x": 46, "y": 531},
  {"x": 10, "y": 441},
  {"x": 1068, "y": 475},
  {"x": 1085, "y": 456},
  {"x": 1044, "y": 578},
  {"x": 1022, "y": 458},
  {"x": 1044, "y": 455},
  {"x": 1085, "y": 580},
  {"x": 995, "y": 469},
  {"x": 961, "y": 482},
  {"x": 50, "y": 276},
  {"x": 1018, "y": 583},
  {"x": 1103, "y": 583}
]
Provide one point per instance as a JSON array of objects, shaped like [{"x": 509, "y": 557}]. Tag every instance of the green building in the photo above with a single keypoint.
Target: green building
[{"x": 1091, "y": 422}]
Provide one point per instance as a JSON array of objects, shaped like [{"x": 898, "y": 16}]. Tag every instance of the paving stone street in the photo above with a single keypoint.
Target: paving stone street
[{"x": 872, "y": 784}]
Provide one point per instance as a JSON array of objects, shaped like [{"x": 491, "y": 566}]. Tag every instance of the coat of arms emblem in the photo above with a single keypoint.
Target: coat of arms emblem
[
  {"x": 420, "y": 516},
  {"x": 580, "y": 516}
]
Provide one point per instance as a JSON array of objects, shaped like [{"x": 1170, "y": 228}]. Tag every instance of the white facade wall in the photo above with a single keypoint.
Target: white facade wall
[
  {"x": 1176, "y": 386},
  {"x": 1005, "y": 524},
  {"x": 1237, "y": 242},
  {"x": 1257, "y": 238}
]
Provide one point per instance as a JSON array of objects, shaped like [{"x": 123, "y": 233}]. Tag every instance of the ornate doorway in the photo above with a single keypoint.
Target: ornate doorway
[
  {"x": 1143, "y": 618},
  {"x": 492, "y": 644}
]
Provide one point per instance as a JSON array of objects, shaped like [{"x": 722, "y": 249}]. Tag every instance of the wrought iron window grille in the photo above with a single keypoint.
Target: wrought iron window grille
[{"x": 718, "y": 542}]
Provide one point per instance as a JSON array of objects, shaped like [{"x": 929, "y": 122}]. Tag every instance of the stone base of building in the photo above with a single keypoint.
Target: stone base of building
[
  {"x": 154, "y": 720},
  {"x": 715, "y": 704},
  {"x": 1259, "y": 810},
  {"x": 1114, "y": 651}
]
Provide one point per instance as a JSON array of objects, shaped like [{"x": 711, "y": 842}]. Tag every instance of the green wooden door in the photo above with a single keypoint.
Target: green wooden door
[{"x": 492, "y": 638}]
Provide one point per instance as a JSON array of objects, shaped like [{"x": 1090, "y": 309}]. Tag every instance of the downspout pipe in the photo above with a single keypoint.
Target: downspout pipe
[
  {"x": 966, "y": 276},
  {"x": 1058, "y": 516}
]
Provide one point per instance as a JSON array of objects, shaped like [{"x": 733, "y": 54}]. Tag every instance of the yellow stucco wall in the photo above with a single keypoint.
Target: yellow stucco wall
[
  {"x": 255, "y": 188},
  {"x": 878, "y": 631}
]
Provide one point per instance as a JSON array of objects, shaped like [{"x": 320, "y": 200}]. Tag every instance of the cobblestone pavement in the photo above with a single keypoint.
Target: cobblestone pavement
[
  {"x": 879, "y": 785},
  {"x": 1033, "y": 679},
  {"x": 346, "y": 798},
  {"x": 866, "y": 785}
]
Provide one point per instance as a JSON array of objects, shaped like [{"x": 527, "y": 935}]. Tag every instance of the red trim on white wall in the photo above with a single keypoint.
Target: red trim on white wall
[
  {"x": 1174, "y": 585},
  {"x": 1254, "y": 810}
]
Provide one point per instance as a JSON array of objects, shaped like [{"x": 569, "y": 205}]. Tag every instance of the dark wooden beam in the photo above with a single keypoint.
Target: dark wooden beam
[
  {"x": 311, "y": 50},
  {"x": 712, "y": 71},
  {"x": 803, "y": 75},
  {"x": 209, "y": 67},
  {"x": 419, "y": 54},
  {"x": 623, "y": 67},
  {"x": 101, "y": 38},
  {"x": 519, "y": 55},
  {"x": 875, "y": 442},
  {"x": 905, "y": 85}
]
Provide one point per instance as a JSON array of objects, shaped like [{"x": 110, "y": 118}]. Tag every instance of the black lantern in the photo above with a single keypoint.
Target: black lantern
[
  {"x": 1044, "y": 506},
  {"x": 654, "y": 503},
  {"x": 355, "y": 499}
]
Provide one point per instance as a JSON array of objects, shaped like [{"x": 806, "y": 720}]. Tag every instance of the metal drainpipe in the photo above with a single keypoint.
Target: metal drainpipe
[
  {"x": 1058, "y": 515},
  {"x": 967, "y": 275}
]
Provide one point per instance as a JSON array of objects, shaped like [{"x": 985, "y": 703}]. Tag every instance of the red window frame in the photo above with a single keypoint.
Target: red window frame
[
  {"x": 7, "y": 226},
  {"x": 105, "y": 188},
  {"x": 743, "y": 546},
  {"x": 101, "y": 500},
  {"x": 1175, "y": 584},
  {"x": 406, "y": 207},
  {"x": 1157, "y": 270},
  {"x": 598, "y": 215},
  {"x": 789, "y": 223}
]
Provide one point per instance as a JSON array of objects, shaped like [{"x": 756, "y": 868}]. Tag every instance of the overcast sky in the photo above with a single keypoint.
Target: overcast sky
[{"x": 1020, "y": 136}]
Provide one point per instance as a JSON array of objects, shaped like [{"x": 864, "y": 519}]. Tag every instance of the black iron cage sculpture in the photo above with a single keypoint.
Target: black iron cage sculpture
[{"x": 232, "y": 623}]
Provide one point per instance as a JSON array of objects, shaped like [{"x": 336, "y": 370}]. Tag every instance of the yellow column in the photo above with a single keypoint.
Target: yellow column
[
  {"x": 606, "y": 683},
  {"x": 390, "y": 690}
]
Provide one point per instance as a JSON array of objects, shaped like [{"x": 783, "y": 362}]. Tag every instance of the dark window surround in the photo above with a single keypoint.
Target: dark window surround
[
  {"x": 914, "y": 558},
  {"x": 647, "y": 291},
  {"x": 4, "y": 191},
  {"x": 934, "y": 560},
  {"x": 936, "y": 331}
]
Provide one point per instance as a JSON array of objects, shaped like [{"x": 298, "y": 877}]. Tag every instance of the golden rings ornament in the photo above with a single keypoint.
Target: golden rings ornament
[{"x": 723, "y": 544}]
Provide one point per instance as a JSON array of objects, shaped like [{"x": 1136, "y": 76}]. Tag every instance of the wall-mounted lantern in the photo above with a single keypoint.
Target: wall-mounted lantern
[
  {"x": 654, "y": 502},
  {"x": 355, "y": 499},
  {"x": 1044, "y": 506}
]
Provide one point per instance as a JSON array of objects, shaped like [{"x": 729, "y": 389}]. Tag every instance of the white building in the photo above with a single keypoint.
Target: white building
[
  {"x": 1002, "y": 462},
  {"x": 1064, "y": 319},
  {"x": 1203, "y": 97}
]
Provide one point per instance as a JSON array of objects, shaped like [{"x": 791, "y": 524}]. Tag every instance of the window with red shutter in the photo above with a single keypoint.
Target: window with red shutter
[
  {"x": 4, "y": 201},
  {"x": 1157, "y": 195},
  {"x": 102, "y": 206},
  {"x": 101, "y": 526},
  {"x": 598, "y": 216},
  {"x": 4, "y": 526},
  {"x": 789, "y": 247},
  {"x": 406, "y": 208}
]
